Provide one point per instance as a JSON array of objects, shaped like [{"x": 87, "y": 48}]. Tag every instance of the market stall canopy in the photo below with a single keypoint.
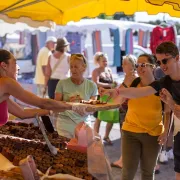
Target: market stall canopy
[
  {"x": 62, "y": 12},
  {"x": 6, "y": 28},
  {"x": 90, "y": 25}
]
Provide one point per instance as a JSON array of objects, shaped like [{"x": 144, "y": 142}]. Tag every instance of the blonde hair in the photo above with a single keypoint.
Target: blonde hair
[
  {"x": 98, "y": 55},
  {"x": 79, "y": 57},
  {"x": 132, "y": 59}
]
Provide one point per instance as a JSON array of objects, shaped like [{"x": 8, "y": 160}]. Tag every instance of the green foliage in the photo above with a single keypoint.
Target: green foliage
[{"x": 117, "y": 16}]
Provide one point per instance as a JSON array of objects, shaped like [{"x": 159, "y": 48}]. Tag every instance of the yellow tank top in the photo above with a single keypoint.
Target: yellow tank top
[{"x": 144, "y": 115}]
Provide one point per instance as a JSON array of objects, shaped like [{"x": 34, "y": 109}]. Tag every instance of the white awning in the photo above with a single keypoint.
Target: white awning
[{"x": 90, "y": 25}]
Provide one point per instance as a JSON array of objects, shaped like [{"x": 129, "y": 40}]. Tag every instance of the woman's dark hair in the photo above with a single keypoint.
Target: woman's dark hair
[
  {"x": 4, "y": 56},
  {"x": 60, "y": 49},
  {"x": 59, "y": 46},
  {"x": 151, "y": 58}
]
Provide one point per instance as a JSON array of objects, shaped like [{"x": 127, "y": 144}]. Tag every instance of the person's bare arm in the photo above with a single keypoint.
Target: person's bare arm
[
  {"x": 167, "y": 98},
  {"x": 167, "y": 119},
  {"x": 58, "y": 97},
  {"x": 177, "y": 111},
  {"x": 120, "y": 99},
  {"x": 11, "y": 87},
  {"x": 136, "y": 92},
  {"x": 95, "y": 78},
  {"x": 19, "y": 112},
  {"x": 129, "y": 93},
  {"x": 44, "y": 69},
  {"x": 48, "y": 71}
]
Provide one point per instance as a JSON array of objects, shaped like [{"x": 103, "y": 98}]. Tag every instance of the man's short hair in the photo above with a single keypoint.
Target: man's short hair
[{"x": 167, "y": 47}]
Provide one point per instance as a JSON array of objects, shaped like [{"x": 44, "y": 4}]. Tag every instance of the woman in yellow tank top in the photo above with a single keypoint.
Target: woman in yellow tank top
[{"x": 142, "y": 127}]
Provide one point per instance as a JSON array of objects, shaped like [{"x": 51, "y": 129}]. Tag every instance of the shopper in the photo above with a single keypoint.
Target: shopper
[
  {"x": 74, "y": 89},
  {"x": 42, "y": 60},
  {"x": 57, "y": 67},
  {"x": 102, "y": 76},
  {"x": 129, "y": 69},
  {"x": 167, "y": 55}
]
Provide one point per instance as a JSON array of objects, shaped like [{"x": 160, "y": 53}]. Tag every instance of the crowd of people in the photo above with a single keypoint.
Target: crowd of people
[{"x": 147, "y": 98}]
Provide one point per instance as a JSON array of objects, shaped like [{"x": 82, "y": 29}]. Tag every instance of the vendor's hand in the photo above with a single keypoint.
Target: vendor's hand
[
  {"x": 75, "y": 98},
  {"x": 177, "y": 111},
  {"x": 114, "y": 84},
  {"x": 167, "y": 98},
  {"x": 81, "y": 109},
  {"x": 162, "y": 138},
  {"x": 44, "y": 91}
]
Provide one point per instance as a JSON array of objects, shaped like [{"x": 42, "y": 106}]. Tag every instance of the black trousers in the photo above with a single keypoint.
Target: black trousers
[{"x": 52, "y": 87}]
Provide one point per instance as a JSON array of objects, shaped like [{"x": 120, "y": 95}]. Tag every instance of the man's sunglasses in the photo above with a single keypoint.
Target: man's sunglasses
[
  {"x": 79, "y": 56},
  {"x": 143, "y": 65},
  {"x": 163, "y": 61}
]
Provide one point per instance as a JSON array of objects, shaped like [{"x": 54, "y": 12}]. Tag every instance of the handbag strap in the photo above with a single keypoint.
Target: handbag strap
[{"x": 57, "y": 64}]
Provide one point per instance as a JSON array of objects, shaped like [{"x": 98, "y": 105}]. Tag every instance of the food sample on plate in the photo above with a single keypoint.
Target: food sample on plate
[{"x": 93, "y": 102}]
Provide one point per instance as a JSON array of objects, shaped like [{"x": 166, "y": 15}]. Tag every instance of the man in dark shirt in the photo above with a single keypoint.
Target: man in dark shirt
[{"x": 167, "y": 55}]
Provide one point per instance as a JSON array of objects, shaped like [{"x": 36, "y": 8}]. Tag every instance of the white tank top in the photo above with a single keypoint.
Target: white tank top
[{"x": 61, "y": 71}]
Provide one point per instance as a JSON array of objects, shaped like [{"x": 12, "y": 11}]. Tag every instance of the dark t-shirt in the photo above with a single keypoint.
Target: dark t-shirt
[{"x": 172, "y": 86}]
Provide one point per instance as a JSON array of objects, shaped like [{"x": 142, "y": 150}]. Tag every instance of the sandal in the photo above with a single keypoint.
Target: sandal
[
  {"x": 116, "y": 165},
  {"x": 157, "y": 169},
  {"x": 108, "y": 141}
]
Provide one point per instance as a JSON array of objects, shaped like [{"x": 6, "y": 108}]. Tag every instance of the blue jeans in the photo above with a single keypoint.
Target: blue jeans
[{"x": 52, "y": 87}]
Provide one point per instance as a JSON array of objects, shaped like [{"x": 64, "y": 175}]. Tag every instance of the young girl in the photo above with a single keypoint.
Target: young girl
[{"x": 102, "y": 76}]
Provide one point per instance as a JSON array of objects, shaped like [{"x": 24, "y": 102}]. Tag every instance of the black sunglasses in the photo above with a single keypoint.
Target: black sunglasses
[
  {"x": 143, "y": 65},
  {"x": 163, "y": 61},
  {"x": 79, "y": 55}
]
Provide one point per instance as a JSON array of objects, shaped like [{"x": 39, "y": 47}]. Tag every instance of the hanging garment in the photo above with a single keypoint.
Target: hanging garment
[
  {"x": 3, "y": 113},
  {"x": 129, "y": 41},
  {"x": 140, "y": 37},
  {"x": 159, "y": 35},
  {"x": 146, "y": 39},
  {"x": 97, "y": 43},
  {"x": 117, "y": 51},
  {"x": 123, "y": 40}
]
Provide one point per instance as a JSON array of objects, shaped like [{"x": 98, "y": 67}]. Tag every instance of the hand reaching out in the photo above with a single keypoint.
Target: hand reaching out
[
  {"x": 162, "y": 138},
  {"x": 75, "y": 98},
  {"x": 110, "y": 92},
  {"x": 177, "y": 111},
  {"x": 167, "y": 98},
  {"x": 81, "y": 109}
]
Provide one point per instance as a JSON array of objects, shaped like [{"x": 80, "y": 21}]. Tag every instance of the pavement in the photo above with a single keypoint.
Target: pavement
[{"x": 113, "y": 152}]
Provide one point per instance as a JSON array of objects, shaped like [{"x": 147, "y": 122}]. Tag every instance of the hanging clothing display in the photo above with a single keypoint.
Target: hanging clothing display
[
  {"x": 75, "y": 42},
  {"x": 97, "y": 43},
  {"x": 129, "y": 42},
  {"x": 117, "y": 51},
  {"x": 143, "y": 37},
  {"x": 140, "y": 37},
  {"x": 35, "y": 47},
  {"x": 123, "y": 40},
  {"x": 161, "y": 34},
  {"x": 146, "y": 39}
]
